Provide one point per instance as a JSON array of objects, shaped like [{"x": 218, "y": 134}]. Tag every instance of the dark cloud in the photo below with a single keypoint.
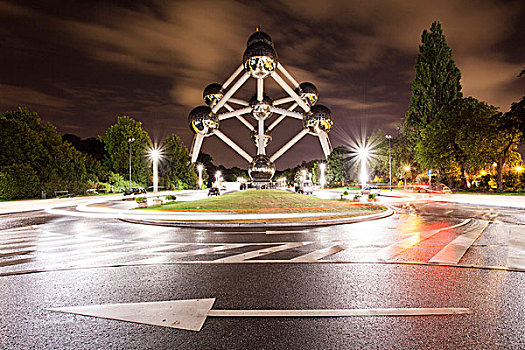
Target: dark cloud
[{"x": 82, "y": 65}]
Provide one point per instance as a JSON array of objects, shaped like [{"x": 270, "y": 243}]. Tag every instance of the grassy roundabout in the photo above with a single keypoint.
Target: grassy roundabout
[{"x": 273, "y": 201}]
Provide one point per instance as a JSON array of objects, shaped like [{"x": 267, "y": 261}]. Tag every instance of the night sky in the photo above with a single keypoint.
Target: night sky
[{"x": 79, "y": 64}]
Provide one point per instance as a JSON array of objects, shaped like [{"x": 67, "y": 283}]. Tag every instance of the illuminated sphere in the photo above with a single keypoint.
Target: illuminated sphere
[
  {"x": 261, "y": 168},
  {"x": 260, "y": 59},
  {"x": 202, "y": 120},
  {"x": 212, "y": 93},
  {"x": 308, "y": 93},
  {"x": 318, "y": 119},
  {"x": 259, "y": 37},
  {"x": 254, "y": 135},
  {"x": 261, "y": 109}
]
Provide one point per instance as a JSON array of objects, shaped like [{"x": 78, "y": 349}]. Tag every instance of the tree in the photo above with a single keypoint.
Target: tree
[
  {"x": 337, "y": 165},
  {"x": 436, "y": 84},
  {"x": 117, "y": 146},
  {"x": 34, "y": 158},
  {"x": 177, "y": 170}
]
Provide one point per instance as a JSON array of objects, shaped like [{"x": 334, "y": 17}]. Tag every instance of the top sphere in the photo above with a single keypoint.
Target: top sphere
[
  {"x": 308, "y": 93},
  {"x": 259, "y": 37},
  {"x": 212, "y": 93},
  {"x": 260, "y": 59}
]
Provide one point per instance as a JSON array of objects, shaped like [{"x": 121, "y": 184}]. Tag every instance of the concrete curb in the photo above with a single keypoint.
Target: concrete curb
[{"x": 207, "y": 225}]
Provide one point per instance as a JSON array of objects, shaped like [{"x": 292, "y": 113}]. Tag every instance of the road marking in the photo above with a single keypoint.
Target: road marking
[
  {"x": 177, "y": 255},
  {"x": 399, "y": 247},
  {"x": 454, "y": 251},
  {"x": 321, "y": 253},
  {"x": 261, "y": 252},
  {"x": 191, "y": 314},
  {"x": 516, "y": 252}
]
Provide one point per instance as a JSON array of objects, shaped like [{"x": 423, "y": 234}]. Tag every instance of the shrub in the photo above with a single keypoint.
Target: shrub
[
  {"x": 171, "y": 197},
  {"x": 345, "y": 193},
  {"x": 141, "y": 199}
]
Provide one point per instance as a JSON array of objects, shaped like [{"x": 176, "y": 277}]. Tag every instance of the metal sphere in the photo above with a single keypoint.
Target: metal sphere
[
  {"x": 212, "y": 93},
  {"x": 261, "y": 168},
  {"x": 319, "y": 119},
  {"x": 308, "y": 93},
  {"x": 261, "y": 109},
  {"x": 202, "y": 120},
  {"x": 259, "y": 37},
  {"x": 254, "y": 135},
  {"x": 260, "y": 59}
]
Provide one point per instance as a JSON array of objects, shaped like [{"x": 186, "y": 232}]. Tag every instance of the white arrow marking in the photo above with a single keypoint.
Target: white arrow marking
[{"x": 191, "y": 314}]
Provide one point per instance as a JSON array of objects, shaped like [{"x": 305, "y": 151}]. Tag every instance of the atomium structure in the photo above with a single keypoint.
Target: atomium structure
[{"x": 260, "y": 62}]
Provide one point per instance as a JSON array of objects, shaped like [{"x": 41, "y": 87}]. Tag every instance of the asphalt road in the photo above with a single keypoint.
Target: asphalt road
[{"x": 429, "y": 255}]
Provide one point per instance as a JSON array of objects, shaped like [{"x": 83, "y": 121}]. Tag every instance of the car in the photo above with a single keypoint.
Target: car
[
  {"x": 306, "y": 187},
  {"x": 134, "y": 191},
  {"x": 213, "y": 191},
  {"x": 371, "y": 190}
]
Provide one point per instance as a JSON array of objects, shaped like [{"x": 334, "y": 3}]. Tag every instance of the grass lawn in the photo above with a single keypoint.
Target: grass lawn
[{"x": 268, "y": 201}]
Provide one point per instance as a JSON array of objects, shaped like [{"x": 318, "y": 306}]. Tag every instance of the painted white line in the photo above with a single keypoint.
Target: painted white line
[
  {"x": 340, "y": 312},
  {"x": 516, "y": 252},
  {"x": 321, "y": 253},
  {"x": 454, "y": 251},
  {"x": 178, "y": 255},
  {"x": 191, "y": 314},
  {"x": 261, "y": 252},
  {"x": 399, "y": 247}
]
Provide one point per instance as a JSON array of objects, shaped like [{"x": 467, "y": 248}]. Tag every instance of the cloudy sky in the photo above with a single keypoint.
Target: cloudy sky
[{"x": 79, "y": 64}]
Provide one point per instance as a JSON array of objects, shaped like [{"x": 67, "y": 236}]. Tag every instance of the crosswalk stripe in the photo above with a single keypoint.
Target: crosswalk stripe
[
  {"x": 179, "y": 255},
  {"x": 516, "y": 252},
  {"x": 454, "y": 251},
  {"x": 15, "y": 262},
  {"x": 261, "y": 252},
  {"x": 319, "y": 254},
  {"x": 397, "y": 248}
]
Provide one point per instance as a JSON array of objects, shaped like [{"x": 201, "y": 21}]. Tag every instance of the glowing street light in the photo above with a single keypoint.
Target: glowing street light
[
  {"x": 303, "y": 172},
  {"x": 389, "y": 137},
  {"x": 519, "y": 169},
  {"x": 322, "y": 179},
  {"x": 155, "y": 154},
  {"x": 200, "y": 167},
  {"x": 363, "y": 153},
  {"x": 130, "y": 140},
  {"x": 407, "y": 169},
  {"x": 217, "y": 178}
]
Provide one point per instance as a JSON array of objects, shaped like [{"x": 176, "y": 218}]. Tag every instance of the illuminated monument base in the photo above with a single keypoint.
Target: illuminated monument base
[{"x": 260, "y": 62}]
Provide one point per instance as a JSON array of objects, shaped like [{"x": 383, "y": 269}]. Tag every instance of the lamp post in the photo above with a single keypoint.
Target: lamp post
[
  {"x": 322, "y": 180},
  {"x": 303, "y": 179},
  {"x": 389, "y": 137},
  {"x": 130, "y": 140},
  {"x": 407, "y": 168},
  {"x": 363, "y": 155},
  {"x": 200, "y": 167},
  {"x": 217, "y": 178},
  {"x": 519, "y": 169}
]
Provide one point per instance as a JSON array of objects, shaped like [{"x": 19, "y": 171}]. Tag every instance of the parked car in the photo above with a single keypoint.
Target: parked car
[
  {"x": 371, "y": 190},
  {"x": 134, "y": 191},
  {"x": 213, "y": 191}
]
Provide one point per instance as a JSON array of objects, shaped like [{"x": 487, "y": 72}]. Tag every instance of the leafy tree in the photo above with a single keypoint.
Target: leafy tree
[
  {"x": 177, "y": 170},
  {"x": 436, "y": 84},
  {"x": 117, "y": 146},
  {"x": 34, "y": 158},
  {"x": 337, "y": 165}
]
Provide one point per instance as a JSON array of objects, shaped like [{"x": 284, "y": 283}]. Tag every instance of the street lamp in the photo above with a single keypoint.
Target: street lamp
[
  {"x": 155, "y": 154},
  {"x": 130, "y": 140},
  {"x": 322, "y": 180},
  {"x": 363, "y": 153},
  {"x": 519, "y": 169},
  {"x": 303, "y": 172},
  {"x": 407, "y": 169},
  {"x": 389, "y": 137},
  {"x": 200, "y": 167},
  {"x": 217, "y": 178}
]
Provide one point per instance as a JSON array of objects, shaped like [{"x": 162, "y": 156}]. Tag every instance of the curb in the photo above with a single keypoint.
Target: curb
[{"x": 206, "y": 225}]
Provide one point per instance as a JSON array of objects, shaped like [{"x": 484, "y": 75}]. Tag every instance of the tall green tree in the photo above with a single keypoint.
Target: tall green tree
[
  {"x": 117, "y": 145},
  {"x": 436, "y": 84},
  {"x": 337, "y": 165},
  {"x": 34, "y": 158},
  {"x": 177, "y": 170}
]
